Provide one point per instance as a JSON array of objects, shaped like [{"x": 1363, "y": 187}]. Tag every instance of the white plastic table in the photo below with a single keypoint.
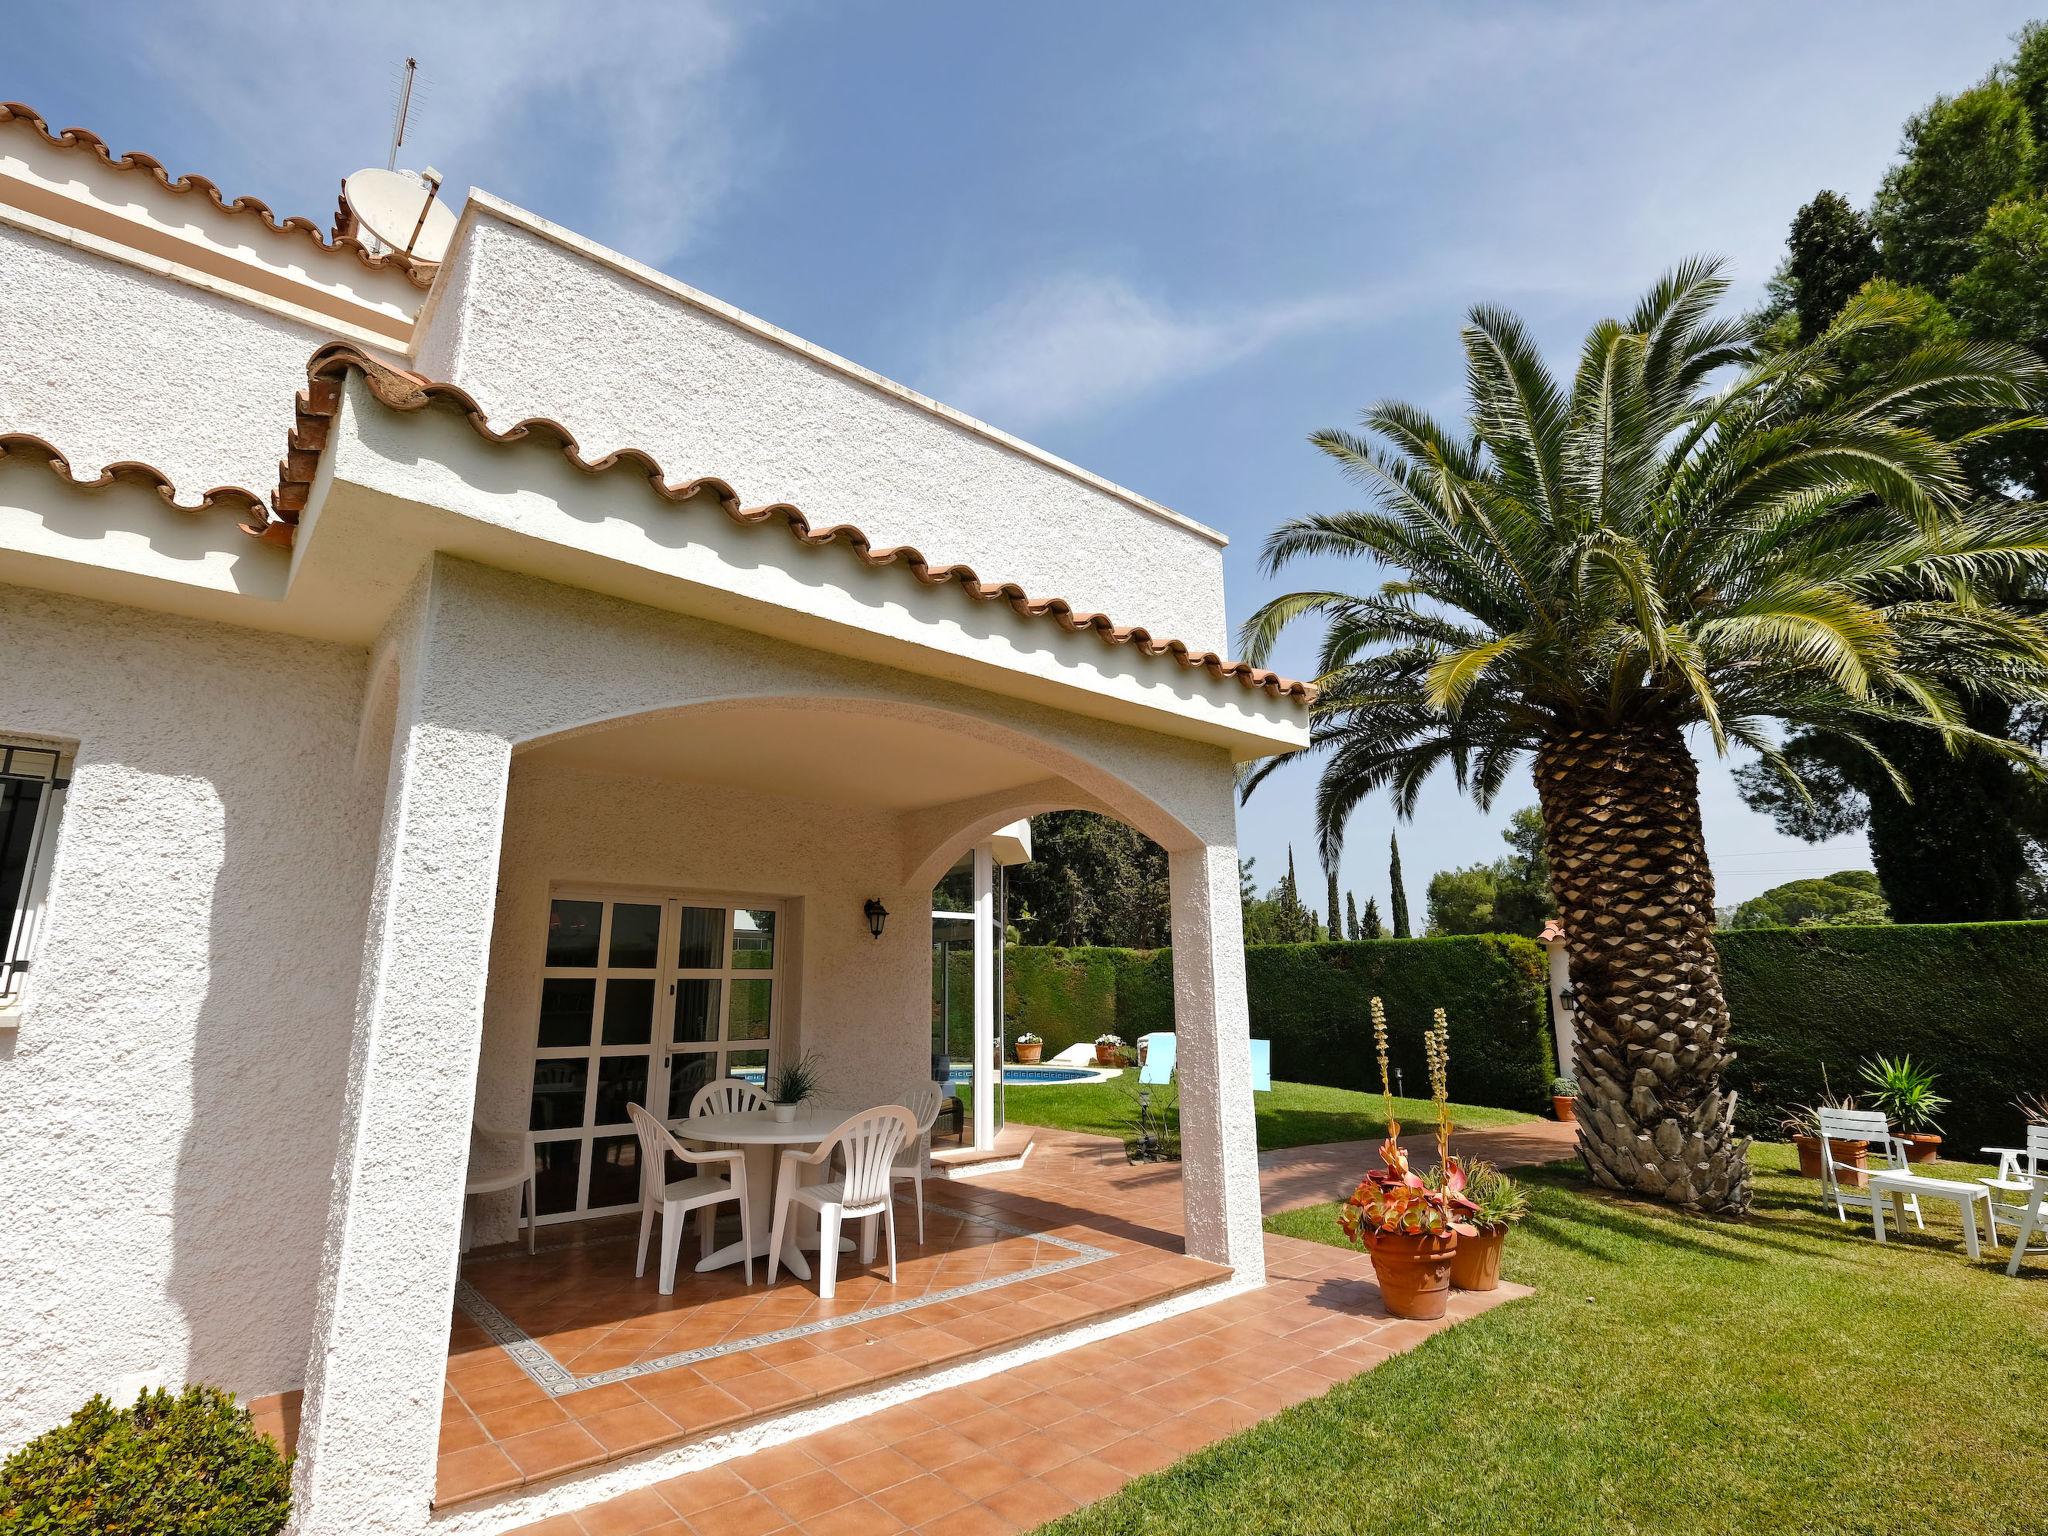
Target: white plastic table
[
  {"x": 1899, "y": 1184},
  {"x": 762, "y": 1138}
]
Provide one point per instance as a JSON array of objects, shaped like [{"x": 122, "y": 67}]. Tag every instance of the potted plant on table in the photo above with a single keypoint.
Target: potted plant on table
[
  {"x": 1564, "y": 1098},
  {"x": 1109, "y": 1050},
  {"x": 1906, "y": 1095},
  {"x": 1029, "y": 1048},
  {"x": 1497, "y": 1203},
  {"x": 790, "y": 1084}
]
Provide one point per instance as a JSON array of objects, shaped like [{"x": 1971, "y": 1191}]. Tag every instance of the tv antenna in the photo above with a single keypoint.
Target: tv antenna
[{"x": 405, "y": 79}]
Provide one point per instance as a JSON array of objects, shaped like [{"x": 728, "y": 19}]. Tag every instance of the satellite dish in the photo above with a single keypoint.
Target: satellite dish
[{"x": 401, "y": 211}]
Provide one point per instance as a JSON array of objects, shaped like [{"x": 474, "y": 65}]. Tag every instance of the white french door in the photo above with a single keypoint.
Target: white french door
[{"x": 644, "y": 998}]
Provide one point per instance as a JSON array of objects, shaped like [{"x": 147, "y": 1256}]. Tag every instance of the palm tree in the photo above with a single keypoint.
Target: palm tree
[{"x": 1588, "y": 573}]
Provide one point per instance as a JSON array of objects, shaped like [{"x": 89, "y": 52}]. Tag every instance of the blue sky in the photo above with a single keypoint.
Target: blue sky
[{"x": 1165, "y": 240}]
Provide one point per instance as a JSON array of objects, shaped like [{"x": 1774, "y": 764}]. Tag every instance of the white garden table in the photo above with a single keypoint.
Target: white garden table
[
  {"x": 762, "y": 1138},
  {"x": 1898, "y": 1185}
]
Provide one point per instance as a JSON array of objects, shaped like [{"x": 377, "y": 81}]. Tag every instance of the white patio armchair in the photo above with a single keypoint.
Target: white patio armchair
[
  {"x": 867, "y": 1144},
  {"x": 700, "y": 1192},
  {"x": 2033, "y": 1223},
  {"x": 728, "y": 1096},
  {"x": 500, "y": 1160},
  {"x": 2017, "y": 1168},
  {"x": 914, "y": 1162},
  {"x": 1886, "y": 1154}
]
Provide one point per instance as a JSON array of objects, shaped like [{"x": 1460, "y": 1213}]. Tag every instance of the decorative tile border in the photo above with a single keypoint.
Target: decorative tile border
[{"x": 557, "y": 1380}]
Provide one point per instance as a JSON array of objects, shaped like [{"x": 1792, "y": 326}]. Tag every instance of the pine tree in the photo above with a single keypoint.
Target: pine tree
[
  {"x": 1400, "y": 894},
  {"x": 1369, "y": 926},
  {"x": 1351, "y": 918}
]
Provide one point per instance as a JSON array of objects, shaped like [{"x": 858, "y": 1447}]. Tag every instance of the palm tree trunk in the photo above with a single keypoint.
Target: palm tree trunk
[{"x": 1628, "y": 865}]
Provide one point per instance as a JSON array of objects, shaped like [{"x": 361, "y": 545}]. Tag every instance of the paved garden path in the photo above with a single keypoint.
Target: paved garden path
[{"x": 1296, "y": 1176}]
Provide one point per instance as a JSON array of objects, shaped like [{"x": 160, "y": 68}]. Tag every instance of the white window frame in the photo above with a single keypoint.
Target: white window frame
[
  {"x": 661, "y": 1051},
  {"x": 26, "y": 922}
]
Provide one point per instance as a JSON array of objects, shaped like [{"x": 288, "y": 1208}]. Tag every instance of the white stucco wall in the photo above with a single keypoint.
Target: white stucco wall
[
  {"x": 110, "y": 363},
  {"x": 533, "y": 329},
  {"x": 167, "y": 1107}
]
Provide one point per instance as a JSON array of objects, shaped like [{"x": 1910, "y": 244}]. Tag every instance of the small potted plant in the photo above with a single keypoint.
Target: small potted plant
[
  {"x": 1109, "y": 1050},
  {"x": 790, "y": 1084},
  {"x": 1411, "y": 1226},
  {"x": 1029, "y": 1048},
  {"x": 1497, "y": 1204},
  {"x": 1801, "y": 1126},
  {"x": 1906, "y": 1095},
  {"x": 1564, "y": 1096}
]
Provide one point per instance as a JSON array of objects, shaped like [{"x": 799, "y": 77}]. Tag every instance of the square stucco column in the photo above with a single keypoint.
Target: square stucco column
[
  {"x": 1218, "y": 1135},
  {"x": 372, "y": 1412}
]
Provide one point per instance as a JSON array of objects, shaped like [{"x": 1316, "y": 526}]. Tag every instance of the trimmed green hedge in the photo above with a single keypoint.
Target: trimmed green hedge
[
  {"x": 1313, "y": 1002},
  {"x": 1964, "y": 999}
]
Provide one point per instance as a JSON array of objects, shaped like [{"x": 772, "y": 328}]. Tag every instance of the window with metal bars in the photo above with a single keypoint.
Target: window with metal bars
[{"x": 33, "y": 777}]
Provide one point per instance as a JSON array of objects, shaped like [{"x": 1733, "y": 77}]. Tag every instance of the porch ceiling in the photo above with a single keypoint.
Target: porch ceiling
[{"x": 819, "y": 755}]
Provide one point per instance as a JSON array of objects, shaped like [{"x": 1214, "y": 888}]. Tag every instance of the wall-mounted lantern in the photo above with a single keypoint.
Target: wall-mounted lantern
[{"x": 877, "y": 915}]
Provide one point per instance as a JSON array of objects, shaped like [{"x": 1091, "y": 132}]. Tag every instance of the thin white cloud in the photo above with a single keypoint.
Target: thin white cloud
[
  {"x": 1070, "y": 344},
  {"x": 614, "y": 118}
]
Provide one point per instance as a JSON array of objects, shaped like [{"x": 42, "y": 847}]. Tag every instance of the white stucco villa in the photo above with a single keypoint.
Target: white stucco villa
[{"x": 531, "y": 741}]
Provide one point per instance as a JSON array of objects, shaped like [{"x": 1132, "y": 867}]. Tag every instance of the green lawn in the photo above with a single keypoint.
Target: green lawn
[
  {"x": 1778, "y": 1374},
  {"x": 1292, "y": 1115}
]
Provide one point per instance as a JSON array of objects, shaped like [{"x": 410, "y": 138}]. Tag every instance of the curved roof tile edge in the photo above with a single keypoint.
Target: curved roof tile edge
[
  {"x": 401, "y": 390},
  {"x": 420, "y": 274},
  {"x": 59, "y": 464}
]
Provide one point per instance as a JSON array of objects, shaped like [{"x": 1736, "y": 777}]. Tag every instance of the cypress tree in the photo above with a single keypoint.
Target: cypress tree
[
  {"x": 1335, "y": 906},
  {"x": 1400, "y": 894},
  {"x": 1351, "y": 918},
  {"x": 1369, "y": 926}
]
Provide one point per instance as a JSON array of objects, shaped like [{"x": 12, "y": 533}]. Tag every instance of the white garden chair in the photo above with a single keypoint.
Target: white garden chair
[
  {"x": 700, "y": 1192},
  {"x": 2033, "y": 1223},
  {"x": 867, "y": 1143},
  {"x": 914, "y": 1162},
  {"x": 728, "y": 1096},
  {"x": 500, "y": 1160},
  {"x": 2017, "y": 1167},
  {"x": 1886, "y": 1154}
]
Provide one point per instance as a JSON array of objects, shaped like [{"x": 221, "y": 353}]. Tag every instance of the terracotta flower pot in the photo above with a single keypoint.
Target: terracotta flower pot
[
  {"x": 1414, "y": 1271},
  {"x": 1562, "y": 1108},
  {"x": 1105, "y": 1055},
  {"x": 1027, "y": 1054},
  {"x": 1857, "y": 1155},
  {"x": 1475, "y": 1265},
  {"x": 1921, "y": 1146},
  {"x": 1809, "y": 1156}
]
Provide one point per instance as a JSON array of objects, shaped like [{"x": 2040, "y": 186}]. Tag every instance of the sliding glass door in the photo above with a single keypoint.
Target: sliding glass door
[{"x": 643, "y": 1000}]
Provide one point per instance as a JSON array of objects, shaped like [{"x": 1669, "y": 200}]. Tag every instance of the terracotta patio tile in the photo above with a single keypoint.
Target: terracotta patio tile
[
  {"x": 860, "y": 1518},
  {"x": 630, "y": 1513},
  {"x": 700, "y": 1490},
  {"x": 992, "y": 1426},
  {"x": 878, "y": 1469},
  {"x": 1135, "y": 1455},
  {"x": 1030, "y": 1503},
  {"x": 470, "y": 1473},
  {"x": 1086, "y": 1480},
  {"x": 920, "y": 1499},
  {"x": 546, "y": 1452},
  {"x": 632, "y": 1428},
  {"x": 970, "y": 1520},
  {"x": 524, "y": 1419},
  {"x": 460, "y": 1429},
  {"x": 937, "y": 1448},
  {"x": 980, "y": 1476},
  {"x": 1035, "y": 1454},
  {"x": 748, "y": 1515},
  {"x": 812, "y": 1494}
]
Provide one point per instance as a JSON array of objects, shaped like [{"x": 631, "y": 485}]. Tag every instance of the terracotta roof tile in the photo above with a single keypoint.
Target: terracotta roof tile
[
  {"x": 420, "y": 273},
  {"x": 28, "y": 445},
  {"x": 401, "y": 390}
]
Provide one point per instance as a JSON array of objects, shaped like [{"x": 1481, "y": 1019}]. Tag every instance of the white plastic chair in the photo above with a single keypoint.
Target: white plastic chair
[
  {"x": 868, "y": 1143},
  {"x": 2033, "y": 1223},
  {"x": 728, "y": 1096},
  {"x": 501, "y": 1160},
  {"x": 1887, "y": 1153},
  {"x": 914, "y": 1162},
  {"x": 2017, "y": 1167},
  {"x": 701, "y": 1192}
]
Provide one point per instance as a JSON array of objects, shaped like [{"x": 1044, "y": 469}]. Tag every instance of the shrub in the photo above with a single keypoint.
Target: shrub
[
  {"x": 1963, "y": 999},
  {"x": 1311, "y": 1001},
  {"x": 189, "y": 1465}
]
